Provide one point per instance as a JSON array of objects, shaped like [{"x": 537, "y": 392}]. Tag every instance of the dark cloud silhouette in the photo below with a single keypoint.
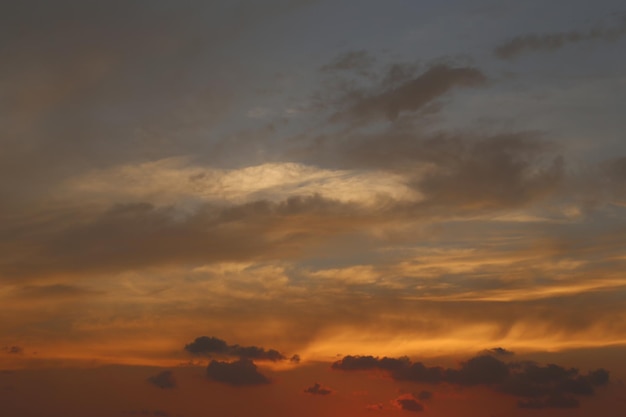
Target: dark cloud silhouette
[
  {"x": 163, "y": 380},
  {"x": 409, "y": 403},
  {"x": 498, "y": 351},
  {"x": 205, "y": 345},
  {"x": 239, "y": 373},
  {"x": 412, "y": 95},
  {"x": 295, "y": 358},
  {"x": 538, "y": 386},
  {"x": 554, "y": 41},
  {"x": 318, "y": 389},
  {"x": 14, "y": 350},
  {"x": 356, "y": 363}
]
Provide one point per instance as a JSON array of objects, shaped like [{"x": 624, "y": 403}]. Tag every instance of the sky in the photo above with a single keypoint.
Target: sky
[{"x": 312, "y": 208}]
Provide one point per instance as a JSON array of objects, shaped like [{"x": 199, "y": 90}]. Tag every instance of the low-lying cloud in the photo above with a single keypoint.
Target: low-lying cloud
[
  {"x": 537, "y": 386},
  {"x": 205, "y": 345},
  {"x": 163, "y": 380},
  {"x": 239, "y": 373}
]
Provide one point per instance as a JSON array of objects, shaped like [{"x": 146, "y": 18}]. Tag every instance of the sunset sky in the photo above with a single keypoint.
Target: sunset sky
[{"x": 313, "y": 208}]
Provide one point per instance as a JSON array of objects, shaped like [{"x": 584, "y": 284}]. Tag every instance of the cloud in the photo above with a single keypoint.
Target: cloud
[
  {"x": 130, "y": 236},
  {"x": 454, "y": 173},
  {"x": 554, "y": 41},
  {"x": 425, "y": 395},
  {"x": 499, "y": 351},
  {"x": 359, "y": 363},
  {"x": 374, "y": 407},
  {"x": 317, "y": 389},
  {"x": 14, "y": 350},
  {"x": 538, "y": 386},
  {"x": 163, "y": 380},
  {"x": 53, "y": 291},
  {"x": 408, "y": 403},
  {"x": 239, "y": 373},
  {"x": 350, "y": 61},
  {"x": 559, "y": 401},
  {"x": 412, "y": 95},
  {"x": 205, "y": 345}
]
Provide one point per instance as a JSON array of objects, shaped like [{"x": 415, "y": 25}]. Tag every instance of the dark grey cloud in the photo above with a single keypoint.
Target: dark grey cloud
[
  {"x": 494, "y": 172},
  {"x": 163, "y": 380},
  {"x": 537, "y": 386},
  {"x": 409, "y": 404},
  {"x": 499, "y": 351},
  {"x": 239, "y": 373},
  {"x": 466, "y": 171},
  {"x": 553, "y": 41},
  {"x": 318, "y": 389},
  {"x": 360, "y": 363},
  {"x": 205, "y": 345},
  {"x": 411, "y": 95}
]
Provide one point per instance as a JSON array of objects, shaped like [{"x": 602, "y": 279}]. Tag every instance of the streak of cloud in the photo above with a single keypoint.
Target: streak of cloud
[{"x": 553, "y": 41}]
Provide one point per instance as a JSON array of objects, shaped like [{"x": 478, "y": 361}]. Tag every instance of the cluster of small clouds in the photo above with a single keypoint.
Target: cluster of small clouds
[
  {"x": 318, "y": 389},
  {"x": 205, "y": 345},
  {"x": 242, "y": 371},
  {"x": 532, "y": 384},
  {"x": 13, "y": 350},
  {"x": 536, "y": 386}
]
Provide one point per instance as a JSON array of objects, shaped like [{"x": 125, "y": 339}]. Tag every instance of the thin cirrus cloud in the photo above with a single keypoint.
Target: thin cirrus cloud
[{"x": 554, "y": 41}]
